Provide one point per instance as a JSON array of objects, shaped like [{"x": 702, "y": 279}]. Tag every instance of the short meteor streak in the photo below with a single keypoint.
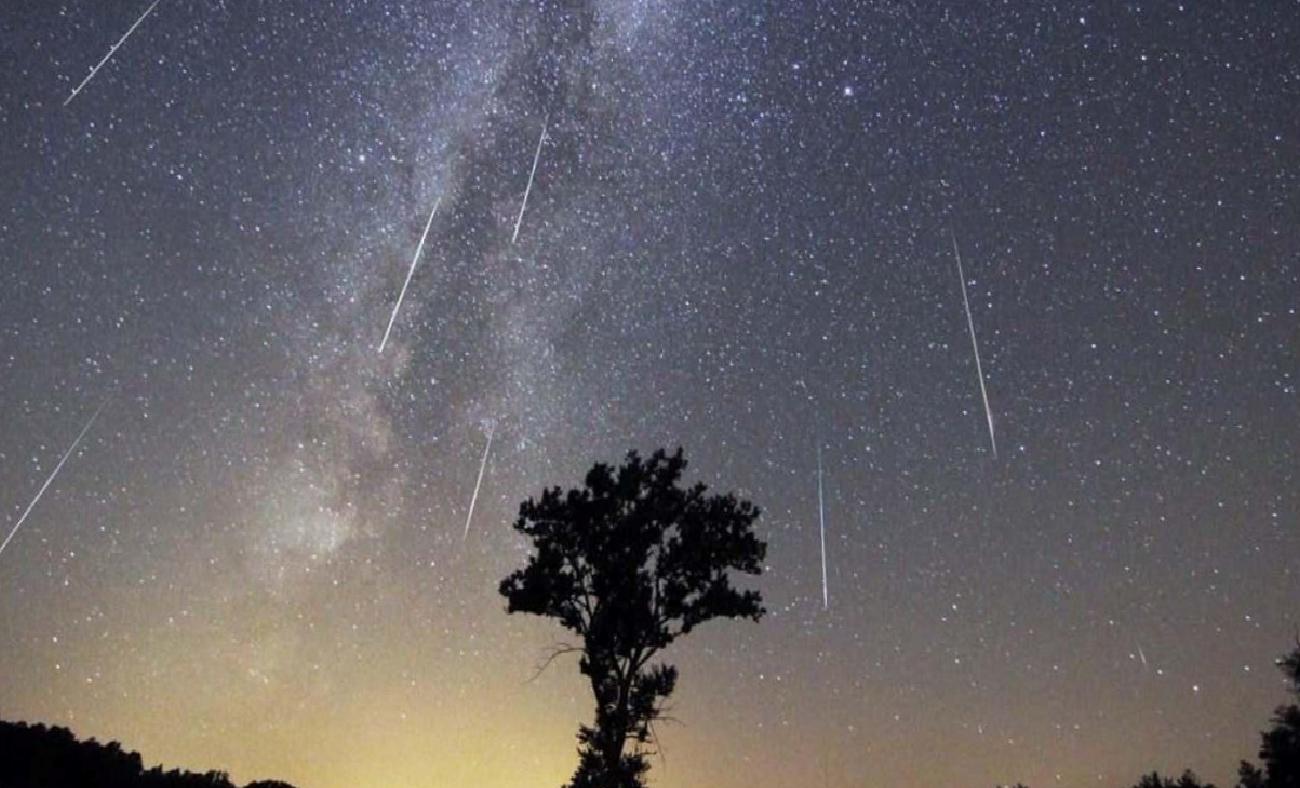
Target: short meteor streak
[
  {"x": 111, "y": 50},
  {"x": 1143, "y": 656},
  {"x": 821, "y": 521},
  {"x": 478, "y": 484},
  {"x": 536, "y": 156},
  {"x": 415, "y": 260},
  {"x": 970, "y": 323},
  {"x": 50, "y": 480}
]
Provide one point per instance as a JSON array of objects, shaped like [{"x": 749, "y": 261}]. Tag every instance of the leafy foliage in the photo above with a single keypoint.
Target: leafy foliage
[{"x": 630, "y": 562}]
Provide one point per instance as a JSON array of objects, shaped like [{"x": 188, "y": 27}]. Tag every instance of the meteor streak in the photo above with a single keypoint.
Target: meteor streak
[
  {"x": 111, "y": 50},
  {"x": 478, "y": 484},
  {"x": 50, "y": 480},
  {"x": 414, "y": 260},
  {"x": 821, "y": 521},
  {"x": 970, "y": 323},
  {"x": 536, "y": 155}
]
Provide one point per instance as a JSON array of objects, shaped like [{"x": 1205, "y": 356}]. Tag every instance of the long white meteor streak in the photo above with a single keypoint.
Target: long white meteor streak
[
  {"x": 821, "y": 522},
  {"x": 414, "y": 260},
  {"x": 536, "y": 156},
  {"x": 970, "y": 323},
  {"x": 50, "y": 480},
  {"x": 111, "y": 50},
  {"x": 478, "y": 484}
]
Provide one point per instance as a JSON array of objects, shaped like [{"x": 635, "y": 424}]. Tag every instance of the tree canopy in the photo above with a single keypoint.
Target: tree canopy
[{"x": 629, "y": 562}]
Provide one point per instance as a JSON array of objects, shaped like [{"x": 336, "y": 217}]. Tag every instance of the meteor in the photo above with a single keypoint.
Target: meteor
[
  {"x": 536, "y": 155},
  {"x": 111, "y": 50},
  {"x": 970, "y": 323},
  {"x": 491, "y": 428},
  {"x": 821, "y": 521},
  {"x": 50, "y": 480},
  {"x": 410, "y": 273}
]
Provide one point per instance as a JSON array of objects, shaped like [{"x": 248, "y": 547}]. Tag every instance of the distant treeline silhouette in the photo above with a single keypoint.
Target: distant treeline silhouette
[
  {"x": 36, "y": 756},
  {"x": 1279, "y": 748}
]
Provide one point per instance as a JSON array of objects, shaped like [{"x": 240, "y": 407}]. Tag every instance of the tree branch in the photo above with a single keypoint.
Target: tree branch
[{"x": 557, "y": 650}]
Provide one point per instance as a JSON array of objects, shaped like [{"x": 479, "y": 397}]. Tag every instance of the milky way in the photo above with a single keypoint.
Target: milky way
[{"x": 737, "y": 241}]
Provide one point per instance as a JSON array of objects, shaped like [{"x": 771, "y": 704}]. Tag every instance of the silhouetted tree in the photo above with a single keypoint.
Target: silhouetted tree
[
  {"x": 1279, "y": 750},
  {"x": 34, "y": 756},
  {"x": 1188, "y": 780},
  {"x": 1249, "y": 776},
  {"x": 630, "y": 562}
]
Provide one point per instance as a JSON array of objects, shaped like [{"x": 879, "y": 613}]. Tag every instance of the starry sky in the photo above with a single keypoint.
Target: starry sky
[{"x": 739, "y": 240}]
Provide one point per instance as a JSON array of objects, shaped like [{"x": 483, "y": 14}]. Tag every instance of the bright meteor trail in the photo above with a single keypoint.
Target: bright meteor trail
[
  {"x": 50, "y": 480},
  {"x": 111, "y": 50},
  {"x": 970, "y": 323},
  {"x": 536, "y": 156},
  {"x": 414, "y": 260},
  {"x": 478, "y": 484}
]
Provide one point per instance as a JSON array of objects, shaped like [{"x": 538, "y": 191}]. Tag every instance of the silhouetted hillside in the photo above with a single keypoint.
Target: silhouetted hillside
[{"x": 34, "y": 756}]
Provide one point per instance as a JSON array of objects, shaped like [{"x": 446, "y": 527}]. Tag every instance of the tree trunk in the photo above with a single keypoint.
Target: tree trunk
[{"x": 611, "y": 714}]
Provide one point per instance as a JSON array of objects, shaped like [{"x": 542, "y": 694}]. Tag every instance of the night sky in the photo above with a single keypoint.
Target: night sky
[{"x": 739, "y": 240}]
